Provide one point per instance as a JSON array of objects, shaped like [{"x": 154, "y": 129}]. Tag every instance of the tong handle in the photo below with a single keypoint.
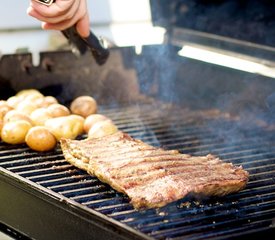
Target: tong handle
[
  {"x": 96, "y": 46},
  {"x": 91, "y": 42},
  {"x": 99, "y": 52}
]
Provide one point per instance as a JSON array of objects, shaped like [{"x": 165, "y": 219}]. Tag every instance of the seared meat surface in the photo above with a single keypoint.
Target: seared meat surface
[{"x": 152, "y": 177}]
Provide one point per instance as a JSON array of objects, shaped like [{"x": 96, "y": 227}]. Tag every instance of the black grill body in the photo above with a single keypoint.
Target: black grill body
[
  {"x": 165, "y": 100},
  {"x": 45, "y": 197}
]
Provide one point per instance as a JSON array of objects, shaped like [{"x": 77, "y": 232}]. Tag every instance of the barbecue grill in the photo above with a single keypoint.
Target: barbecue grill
[{"x": 166, "y": 100}]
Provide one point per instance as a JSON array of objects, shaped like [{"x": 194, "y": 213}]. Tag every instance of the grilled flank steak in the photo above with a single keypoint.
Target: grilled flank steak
[{"x": 152, "y": 177}]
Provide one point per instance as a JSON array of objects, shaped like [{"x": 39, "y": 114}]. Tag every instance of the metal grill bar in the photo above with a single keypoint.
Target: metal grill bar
[
  {"x": 58, "y": 179},
  {"x": 233, "y": 215},
  {"x": 69, "y": 187}
]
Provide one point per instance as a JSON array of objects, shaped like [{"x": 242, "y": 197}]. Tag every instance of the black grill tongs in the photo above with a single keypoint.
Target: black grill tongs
[{"x": 92, "y": 43}]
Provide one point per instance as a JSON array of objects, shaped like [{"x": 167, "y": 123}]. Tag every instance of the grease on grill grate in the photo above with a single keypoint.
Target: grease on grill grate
[{"x": 249, "y": 210}]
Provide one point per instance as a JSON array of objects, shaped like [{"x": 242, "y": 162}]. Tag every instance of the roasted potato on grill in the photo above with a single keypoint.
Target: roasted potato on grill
[
  {"x": 47, "y": 101},
  {"x": 84, "y": 106},
  {"x": 4, "y": 108},
  {"x": 67, "y": 126},
  {"x": 79, "y": 123},
  {"x": 40, "y": 115},
  {"x": 58, "y": 110},
  {"x": 101, "y": 129},
  {"x": 92, "y": 119},
  {"x": 15, "y": 132},
  {"x": 26, "y": 107},
  {"x": 13, "y": 101},
  {"x": 40, "y": 139},
  {"x": 50, "y": 100},
  {"x": 1, "y": 126},
  {"x": 15, "y": 115},
  {"x": 28, "y": 92}
]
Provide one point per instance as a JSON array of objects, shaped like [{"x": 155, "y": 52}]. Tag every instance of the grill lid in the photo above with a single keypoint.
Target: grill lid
[{"x": 247, "y": 20}]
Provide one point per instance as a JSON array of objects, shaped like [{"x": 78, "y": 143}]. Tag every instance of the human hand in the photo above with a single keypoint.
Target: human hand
[{"x": 62, "y": 14}]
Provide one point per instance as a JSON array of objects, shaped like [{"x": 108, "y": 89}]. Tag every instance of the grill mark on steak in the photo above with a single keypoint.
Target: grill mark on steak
[
  {"x": 150, "y": 176},
  {"x": 111, "y": 151},
  {"x": 164, "y": 158},
  {"x": 120, "y": 156},
  {"x": 171, "y": 168},
  {"x": 142, "y": 176}
]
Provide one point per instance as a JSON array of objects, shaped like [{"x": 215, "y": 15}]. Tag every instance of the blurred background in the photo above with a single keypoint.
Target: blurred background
[{"x": 121, "y": 22}]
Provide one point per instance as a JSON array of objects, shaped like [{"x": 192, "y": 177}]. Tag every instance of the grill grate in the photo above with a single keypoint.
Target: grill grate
[{"x": 250, "y": 210}]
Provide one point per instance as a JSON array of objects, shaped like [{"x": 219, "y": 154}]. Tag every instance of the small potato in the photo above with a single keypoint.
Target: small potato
[
  {"x": 35, "y": 98},
  {"x": 27, "y": 92},
  {"x": 101, "y": 129},
  {"x": 40, "y": 139},
  {"x": 58, "y": 110},
  {"x": 78, "y": 122},
  {"x": 15, "y": 132},
  {"x": 50, "y": 99},
  {"x": 83, "y": 106},
  {"x": 26, "y": 107},
  {"x": 66, "y": 127},
  {"x": 1, "y": 126},
  {"x": 15, "y": 115},
  {"x": 39, "y": 116},
  {"x": 3, "y": 103},
  {"x": 13, "y": 101},
  {"x": 47, "y": 101},
  {"x": 4, "y": 108},
  {"x": 92, "y": 120}
]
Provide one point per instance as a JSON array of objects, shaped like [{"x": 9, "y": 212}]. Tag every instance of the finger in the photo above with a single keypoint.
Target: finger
[
  {"x": 83, "y": 23},
  {"x": 77, "y": 14},
  {"x": 59, "y": 8},
  {"x": 83, "y": 26},
  {"x": 58, "y": 26},
  {"x": 33, "y": 13},
  {"x": 70, "y": 14}
]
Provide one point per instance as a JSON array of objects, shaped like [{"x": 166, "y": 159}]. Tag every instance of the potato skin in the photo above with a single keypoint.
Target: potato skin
[
  {"x": 26, "y": 107},
  {"x": 13, "y": 101},
  {"x": 66, "y": 126},
  {"x": 4, "y": 108},
  {"x": 15, "y": 132},
  {"x": 101, "y": 129},
  {"x": 47, "y": 101},
  {"x": 84, "y": 106},
  {"x": 1, "y": 126},
  {"x": 58, "y": 110},
  {"x": 15, "y": 115},
  {"x": 40, "y": 139},
  {"x": 27, "y": 92},
  {"x": 78, "y": 123},
  {"x": 92, "y": 120},
  {"x": 39, "y": 116}
]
